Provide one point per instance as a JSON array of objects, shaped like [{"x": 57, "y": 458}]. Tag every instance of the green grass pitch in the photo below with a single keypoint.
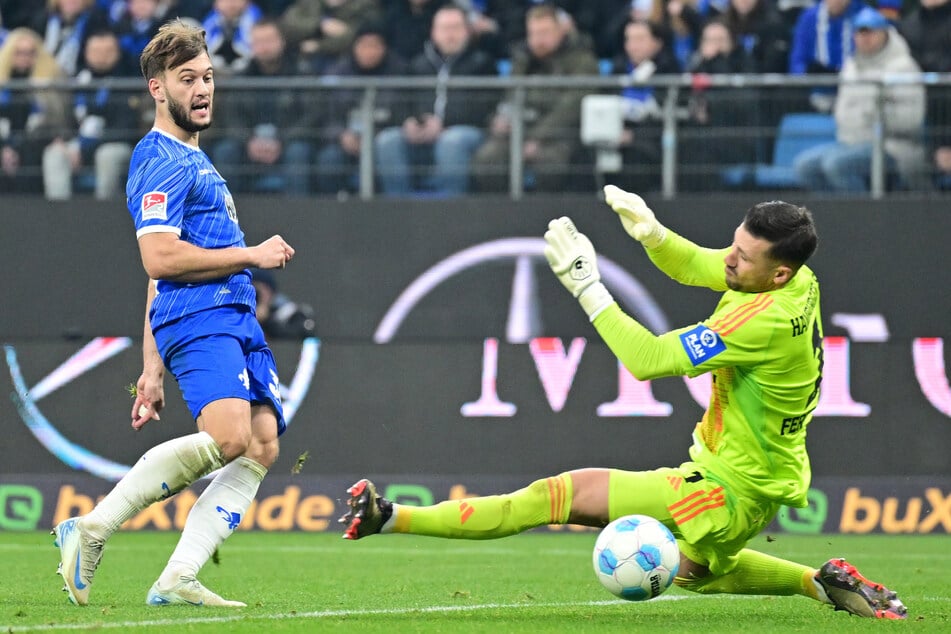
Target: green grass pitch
[{"x": 537, "y": 582}]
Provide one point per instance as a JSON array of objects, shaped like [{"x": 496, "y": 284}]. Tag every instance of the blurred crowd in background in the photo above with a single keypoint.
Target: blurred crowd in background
[{"x": 443, "y": 141}]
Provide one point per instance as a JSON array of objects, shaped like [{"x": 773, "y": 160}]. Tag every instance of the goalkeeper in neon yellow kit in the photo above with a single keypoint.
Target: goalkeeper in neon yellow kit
[{"x": 763, "y": 346}]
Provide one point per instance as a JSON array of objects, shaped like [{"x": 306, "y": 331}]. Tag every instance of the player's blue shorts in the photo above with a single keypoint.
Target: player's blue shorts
[{"x": 221, "y": 353}]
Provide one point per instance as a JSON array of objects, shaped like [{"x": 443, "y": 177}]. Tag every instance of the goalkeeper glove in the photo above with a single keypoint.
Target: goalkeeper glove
[
  {"x": 572, "y": 258},
  {"x": 636, "y": 217}
]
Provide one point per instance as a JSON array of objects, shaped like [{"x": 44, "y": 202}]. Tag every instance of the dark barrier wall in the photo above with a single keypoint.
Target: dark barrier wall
[
  {"x": 73, "y": 268},
  {"x": 439, "y": 397}
]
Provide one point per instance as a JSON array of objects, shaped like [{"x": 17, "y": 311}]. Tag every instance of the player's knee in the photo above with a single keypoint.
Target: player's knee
[
  {"x": 265, "y": 453},
  {"x": 235, "y": 444}
]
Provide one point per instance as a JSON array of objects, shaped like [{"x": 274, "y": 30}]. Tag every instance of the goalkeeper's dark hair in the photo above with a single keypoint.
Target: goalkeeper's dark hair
[{"x": 788, "y": 228}]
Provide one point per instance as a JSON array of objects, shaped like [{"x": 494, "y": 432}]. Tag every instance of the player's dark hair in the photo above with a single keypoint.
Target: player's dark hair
[
  {"x": 175, "y": 43},
  {"x": 788, "y": 228}
]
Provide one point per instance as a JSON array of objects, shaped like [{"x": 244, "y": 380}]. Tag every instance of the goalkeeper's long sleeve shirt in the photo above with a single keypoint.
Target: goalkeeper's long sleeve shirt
[{"x": 764, "y": 351}]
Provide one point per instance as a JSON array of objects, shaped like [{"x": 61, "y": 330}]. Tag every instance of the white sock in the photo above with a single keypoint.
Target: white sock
[
  {"x": 216, "y": 514},
  {"x": 821, "y": 592},
  {"x": 161, "y": 472},
  {"x": 387, "y": 526}
]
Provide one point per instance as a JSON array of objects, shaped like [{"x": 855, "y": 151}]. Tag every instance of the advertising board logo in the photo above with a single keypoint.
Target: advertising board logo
[
  {"x": 523, "y": 309},
  {"x": 20, "y": 507},
  {"x": 93, "y": 354}
]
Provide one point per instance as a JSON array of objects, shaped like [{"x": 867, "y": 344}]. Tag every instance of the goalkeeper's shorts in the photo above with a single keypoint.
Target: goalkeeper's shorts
[{"x": 711, "y": 523}]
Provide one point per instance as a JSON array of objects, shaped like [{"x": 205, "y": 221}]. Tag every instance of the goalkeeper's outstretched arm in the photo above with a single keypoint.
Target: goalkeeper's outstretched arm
[{"x": 679, "y": 258}]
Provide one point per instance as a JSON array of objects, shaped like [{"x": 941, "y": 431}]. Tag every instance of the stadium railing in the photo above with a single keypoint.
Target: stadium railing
[{"x": 771, "y": 96}]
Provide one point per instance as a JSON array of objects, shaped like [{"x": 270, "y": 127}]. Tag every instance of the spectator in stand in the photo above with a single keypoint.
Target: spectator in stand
[
  {"x": 337, "y": 161},
  {"x": 433, "y": 147},
  {"x": 790, "y": 10},
  {"x": 511, "y": 15},
  {"x": 228, "y": 33},
  {"x": 551, "y": 117},
  {"x": 845, "y": 165},
  {"x": 408, "y": 23},
  {"x": 485, "y": 29},
  {"x": 927, "y": 29},
  {"x": 108, "y": 125},
  {"x": 928, "y": 32},
  {"x": 822, "y": 41},
  {"x": 713, "y": 135},
  {"x": 137, "y": 23},
  {"x": 29, "y": 119},
  {"x": 647, "y": 53},
  {"x": 271, "y": 133},
  {"x": 322, "y": 30},
  {"x": 279, "y": 315},
  {"x": 610, "y": 39},
  {"x": 64, "y": 27},
  {"x": 684, "y": 19},
  {"x": 760, "y": 33}
]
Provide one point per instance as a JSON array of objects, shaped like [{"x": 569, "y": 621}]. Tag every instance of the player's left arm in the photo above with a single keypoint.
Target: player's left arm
[{"x": 726, "y": 339}]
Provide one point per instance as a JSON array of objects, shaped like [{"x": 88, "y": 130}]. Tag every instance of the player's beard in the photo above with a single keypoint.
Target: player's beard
[{"x": 181, "y": 116}]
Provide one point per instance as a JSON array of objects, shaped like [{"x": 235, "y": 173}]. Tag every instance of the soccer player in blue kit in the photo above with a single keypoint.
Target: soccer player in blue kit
[{"x": 200, "y": 324}]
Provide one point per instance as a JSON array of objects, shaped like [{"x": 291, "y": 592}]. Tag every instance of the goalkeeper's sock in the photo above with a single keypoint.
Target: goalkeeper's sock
[
  {"x": 160, "y": 473},
  {"x": 215, "y": 515},
  {"x": 758, "y": 573},
  {"x": 542, "y": 502}
]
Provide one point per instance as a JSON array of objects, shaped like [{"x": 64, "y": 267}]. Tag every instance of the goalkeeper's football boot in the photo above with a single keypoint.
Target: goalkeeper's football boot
[
  {"x": 855, "y": 594},
  {"x": 188, "y": 591},
  {"x": 368, "y": 511},
  {"x": 80, "y": 555}
]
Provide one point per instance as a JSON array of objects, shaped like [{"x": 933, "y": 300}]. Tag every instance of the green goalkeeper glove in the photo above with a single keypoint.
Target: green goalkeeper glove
[
  {"x": 572, "y": 258},
  {"x": 636, "y": 217}
]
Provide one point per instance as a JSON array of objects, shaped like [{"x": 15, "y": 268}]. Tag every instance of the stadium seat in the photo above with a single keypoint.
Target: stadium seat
[{"x": 797, "y": 131}]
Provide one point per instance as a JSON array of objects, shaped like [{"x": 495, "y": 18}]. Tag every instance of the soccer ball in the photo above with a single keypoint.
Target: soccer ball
[{"x": 636, "y": 557}]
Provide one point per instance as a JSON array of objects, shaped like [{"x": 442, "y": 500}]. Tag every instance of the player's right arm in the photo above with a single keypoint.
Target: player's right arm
[
  {"x": 158, "y": 191},
  {"x": 150, "y": 388},
  {"x": 165, "y": 256}
]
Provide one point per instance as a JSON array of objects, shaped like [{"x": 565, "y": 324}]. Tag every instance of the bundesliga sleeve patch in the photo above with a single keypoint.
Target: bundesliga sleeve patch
[
  {"x": 154, "y": 206},
  {"x": 701, "y": 344}
]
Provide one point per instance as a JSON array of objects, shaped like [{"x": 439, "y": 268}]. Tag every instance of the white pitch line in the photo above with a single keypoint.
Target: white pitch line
[
  {"x": 320, "y": 614},
  {"x": 325, "y": 614}
]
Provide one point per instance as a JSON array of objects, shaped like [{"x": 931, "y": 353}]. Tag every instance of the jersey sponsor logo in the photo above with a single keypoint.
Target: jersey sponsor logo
[
  {"x": 701, "y": 344},
  {"x": 154, "y": 206}
]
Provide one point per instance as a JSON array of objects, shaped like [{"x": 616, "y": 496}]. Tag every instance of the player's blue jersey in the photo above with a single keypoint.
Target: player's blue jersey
[{"x": 173, "y": 187}]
